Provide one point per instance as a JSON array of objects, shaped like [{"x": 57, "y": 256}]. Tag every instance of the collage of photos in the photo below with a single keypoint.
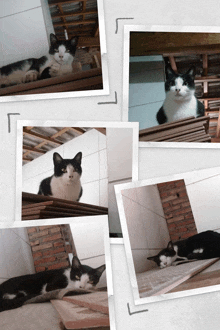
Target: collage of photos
[{"x": 86, "y": 241}]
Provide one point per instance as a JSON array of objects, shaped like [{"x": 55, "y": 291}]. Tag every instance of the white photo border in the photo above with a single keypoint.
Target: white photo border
[
  {"x": 105, "y": 74},
  {"x": 102, "y": 220},
  {"x": 128, "y": 251},
  {"x": 58, "y": 123},
  {"x": 126, "y": 51}
]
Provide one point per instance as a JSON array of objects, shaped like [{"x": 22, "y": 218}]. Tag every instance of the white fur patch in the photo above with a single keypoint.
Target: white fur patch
[
  {"x": 9, "y": 296},
  {"x": 198, "y": 250},
  {"x": 81, "y": 284},
  {"x": 67, "y": 186},
  {"x": 180, "y": 101}
]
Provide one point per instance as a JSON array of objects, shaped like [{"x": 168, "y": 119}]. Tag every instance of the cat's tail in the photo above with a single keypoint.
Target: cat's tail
[{"x": 8, "y": 304}]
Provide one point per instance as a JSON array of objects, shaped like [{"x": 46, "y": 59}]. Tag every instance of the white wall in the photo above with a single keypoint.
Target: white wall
[
  {"x": 146, "y": 89},
  {"x": 15, "y": 257},
  {"x": 146, "y": 223},
  {"x": 89, "y": 244},
  {"x": 94, "y": 177},
  {"x": 23, "y": 31}
]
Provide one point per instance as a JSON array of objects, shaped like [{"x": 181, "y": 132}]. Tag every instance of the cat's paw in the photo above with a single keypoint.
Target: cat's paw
[
  {"x": 54, "y": 70},
  {"x": 31, "y": 75}
]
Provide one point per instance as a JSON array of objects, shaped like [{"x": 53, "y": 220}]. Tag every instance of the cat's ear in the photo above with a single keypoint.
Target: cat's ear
[
  {"x": 170, "y": 245},
  {"x": 53, "y": 38},
  {"x": 100, "y": 270},
  {"x": 170, "y": 73},
  {"x": 75, "y": 262},
  {"x": 191, "y": 72},
  {"x": 74, "y": 41},
  {"x": 78, "y": 157},
  {"x": 57, "y": 158}
]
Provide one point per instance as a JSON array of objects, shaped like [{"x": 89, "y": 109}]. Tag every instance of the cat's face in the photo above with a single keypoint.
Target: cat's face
[
  {"x": 180, "y": 86},
  {"x": 166, "y": 257},
  {"x": 62, "y": 50},
  {"x": 86, "y": 277},
  {"x": 68, "y": 169}
]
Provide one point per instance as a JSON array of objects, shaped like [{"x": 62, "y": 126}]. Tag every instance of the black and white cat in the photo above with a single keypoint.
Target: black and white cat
[
  {"x": 65, "y": 182},
  {"x": 17, "y": 290},
  {"x": 205, "y": 245},
  {"x": 180, "y": 101},
  {"x": 57, "y": 62}
]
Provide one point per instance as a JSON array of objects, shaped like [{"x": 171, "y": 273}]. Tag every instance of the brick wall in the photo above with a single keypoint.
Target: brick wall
[
  {"x": 177, "y": 209},
  {"x": 48, "y": 246}
]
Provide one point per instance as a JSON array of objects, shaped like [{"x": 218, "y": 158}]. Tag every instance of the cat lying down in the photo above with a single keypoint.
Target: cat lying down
[
  {"x": 205, "y": 245},
  {"x": 57, "y": 62},
  {"x": 47, "y": 285}
]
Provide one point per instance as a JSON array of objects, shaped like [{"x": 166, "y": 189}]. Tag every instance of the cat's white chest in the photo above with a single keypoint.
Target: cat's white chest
[
  {"x": 60, "y": 189},
  {"x": 176, "y": 110}
]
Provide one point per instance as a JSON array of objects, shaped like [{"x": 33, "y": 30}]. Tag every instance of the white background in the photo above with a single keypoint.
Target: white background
[{"x": 196, "y": 312}]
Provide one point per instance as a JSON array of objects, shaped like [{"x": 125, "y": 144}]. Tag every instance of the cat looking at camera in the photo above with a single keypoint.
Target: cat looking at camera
[
  {"x": 65, "y": 182},
  {"x": 180, "y": 101}
]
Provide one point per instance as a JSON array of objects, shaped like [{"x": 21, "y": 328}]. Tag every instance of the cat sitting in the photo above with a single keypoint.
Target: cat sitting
[
  {"x": 16, "y": 291},
  {"x": 65, "y": 182},
  {"x": 57, "y": 62},
  {"x": 205, "y": 245},
  {"x": 180, "y": 101}
]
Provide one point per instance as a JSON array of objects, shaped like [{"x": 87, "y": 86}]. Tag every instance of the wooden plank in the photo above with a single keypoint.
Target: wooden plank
[
  {"x": 70, "y": 212},
  {"x": 200, "y": 280},
  {"x": 179, "y": 133},
  {"x": 174, "y": 124},
  {"x": 77, "y": 317},
  {"x": 50, "y": 81},
  {"x": 97, "y": 301},
  {"x": 40, "y": 198},
  {"x": 205, "y": 64},
  {"x": 160, "y": 281},
  {"x": 79, "y": 22},
  {"x": 92, "y": 83},
  {"x": 161, "y": 135},
  {"x": 56, "y": 2},
  {"x": 68, "y": 207}
]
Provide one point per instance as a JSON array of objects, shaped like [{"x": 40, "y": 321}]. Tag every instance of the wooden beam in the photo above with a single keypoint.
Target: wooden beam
[
  {"x": 34, "y": 150},
  {"x": 205, "y": 64},
  {"x": 77, "y": 130},
  {"x": 173, "y": 63},
  {"x": 81, "y": 22},
  {"x": 101, "y": 130},
  {"x": 41, "y": 137},
  {"x": 57, "y": 2},
  {"x": 78, "y": 13}
]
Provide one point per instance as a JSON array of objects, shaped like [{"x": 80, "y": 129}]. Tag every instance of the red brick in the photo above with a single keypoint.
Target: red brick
[
  {"x": 55, "y": 230},
  {"x": 52, "y": 238},
  {"x": 183, "y": 229},
  {"x": 189, "y": 215},
  {"x": 45, "y": 227},
  {"x": 176, "y": 219},
  {"x": 37, "y": 255},
  {"x": 170, "y": 198},
  {"x": 37, "y": 242},
  {"x": 54, "y": 251},
  {"x": 44, "y": 260},
  {"x": 166, "y": 205},
  {"x": 58, "y": 244},
  {"x": 170, "y": 225},
  {"x": 42, "y": 247},
  {"x": 31, "y": 230},
  {"x": 183, "y": 194},
  {"x": 183, "y": 211},
  {"x": 186, "y": 204},
  {"x": 180, "y": 200},
  {"x": 180, "y": 183},
  {"x": 174, "y": 238},
  {"x": 59, "y": 265},
  {"x": 39, "y": 234},
  {"x": 162, "y": 195},
  {"x": 40, "y": 269},
  {"x": 189, "y": 234}
]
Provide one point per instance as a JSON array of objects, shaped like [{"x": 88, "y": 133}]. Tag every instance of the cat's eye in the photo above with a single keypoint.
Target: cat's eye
[
  {"x": 64, "y": 170},
  {"x": 185, "y": 83},
  {"x": 77, "y": 277},
  {"x": 90, "y": 282},
  {"x": 56, "y": 50},
  {"x": 67, "y": 50}
]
